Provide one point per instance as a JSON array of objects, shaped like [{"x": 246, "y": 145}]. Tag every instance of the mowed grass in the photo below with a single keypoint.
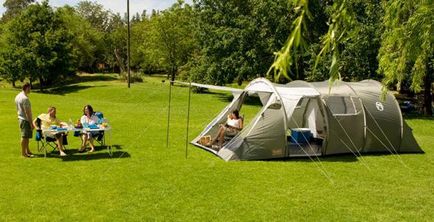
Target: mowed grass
[{"x": 145, "y": 180}]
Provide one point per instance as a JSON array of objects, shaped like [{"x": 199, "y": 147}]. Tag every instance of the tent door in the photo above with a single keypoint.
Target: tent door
[
  {"x": 345, "y": 124},
  {"x": 306, "y": 128}
]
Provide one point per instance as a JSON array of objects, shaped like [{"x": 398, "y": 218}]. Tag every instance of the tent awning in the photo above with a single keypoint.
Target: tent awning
[
  {"x": 234, "y": 91},
  {"x": 296, "y": 91}
]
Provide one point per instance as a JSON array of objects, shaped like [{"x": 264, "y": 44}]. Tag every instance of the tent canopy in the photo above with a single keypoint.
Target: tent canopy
[{"x": 339, "y": 118}]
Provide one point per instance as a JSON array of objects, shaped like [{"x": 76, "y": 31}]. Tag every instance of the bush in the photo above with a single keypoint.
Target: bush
[{"x": 134, "y": 77}]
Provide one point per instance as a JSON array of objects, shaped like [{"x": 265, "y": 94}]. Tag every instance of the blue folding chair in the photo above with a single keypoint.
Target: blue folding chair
[
  {"x": 100, "y": 138},
  {"x": 98, "y": 135},
  {"x": 43, "y": 143}
]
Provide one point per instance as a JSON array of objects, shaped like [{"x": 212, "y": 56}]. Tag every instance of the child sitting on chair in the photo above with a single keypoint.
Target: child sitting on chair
[{"x": 233, "y": 125}]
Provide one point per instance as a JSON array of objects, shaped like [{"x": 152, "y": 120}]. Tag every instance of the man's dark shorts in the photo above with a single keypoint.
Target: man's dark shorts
[{"x": 26, "y": 129}]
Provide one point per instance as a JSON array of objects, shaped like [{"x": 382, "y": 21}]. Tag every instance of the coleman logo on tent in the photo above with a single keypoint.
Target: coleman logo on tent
[{"x": 379, "y": 106}]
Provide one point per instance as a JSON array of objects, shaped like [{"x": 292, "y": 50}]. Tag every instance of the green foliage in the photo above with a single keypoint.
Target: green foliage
[
  {"x": 116, "y": 43},
  {"x": 95, "y": 13},
  {"x": 295, "y": 44},
  {"x": 88, "y": 45},
  {"x": 358, "y": 56},
  {"x": 145, "y": 53},
  {"x": 237, "y": 39},
  {"x": 40, "y": 46},
  {"x": 134, "y": 77},
  {"x": 14, "y": 8},
  {"x": 219, "y": 42},
  {"x": 106, "y": 34},
  {"x": 139, "y": 28},
  {"x": 408, "y": 42},
  {"x": 348, "y": 48},
  {"x": 10, "y": 62},
  {"x": 341, "y": 21},
  {"x": 166, "y": 39}
]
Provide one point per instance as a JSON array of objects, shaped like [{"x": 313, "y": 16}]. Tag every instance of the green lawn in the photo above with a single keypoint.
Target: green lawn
[{"x": 145, "y": 180}]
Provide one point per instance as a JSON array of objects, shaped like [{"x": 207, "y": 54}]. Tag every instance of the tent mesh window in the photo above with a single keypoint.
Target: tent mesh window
[{"x": 341, "y": 105}]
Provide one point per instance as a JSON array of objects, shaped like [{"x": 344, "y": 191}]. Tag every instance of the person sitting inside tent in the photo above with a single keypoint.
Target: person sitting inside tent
[
  {"x": 233, "y": 125},
  {"x": 47, "y": 121}
]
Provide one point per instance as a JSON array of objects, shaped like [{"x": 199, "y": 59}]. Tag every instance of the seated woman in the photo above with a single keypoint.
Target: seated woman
[
  {"x": 233, "y": 125},
  {"x": 47, "y": 120},
  {"x": 88, "y": 118}
]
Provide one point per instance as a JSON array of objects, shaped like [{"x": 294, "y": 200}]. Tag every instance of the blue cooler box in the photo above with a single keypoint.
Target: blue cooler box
[{"x": 300, "y": 135}]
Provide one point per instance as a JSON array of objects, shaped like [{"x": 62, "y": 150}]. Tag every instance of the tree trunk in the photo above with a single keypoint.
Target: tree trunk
[
  {"x": 427, "y": 91},
  {"x": 40, "y": 84},
  {"x": 300, "y": 68},
  {"x": 172, "y": 74},
  {"x": 119, "y": 60},
  {"x": 13, "y": 83}
]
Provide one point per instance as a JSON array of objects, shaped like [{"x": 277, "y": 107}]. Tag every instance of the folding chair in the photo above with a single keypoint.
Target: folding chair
[
  {"x": 43, "y": 143},
  {"x": 99, "y": 136}
]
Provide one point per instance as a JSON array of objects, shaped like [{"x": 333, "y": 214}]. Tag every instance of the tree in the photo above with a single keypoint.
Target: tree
[
  {"x": 145, "y": 54},
  {"x": 14, "y": 7},
  {"x": 406, "y": 43},
  {"x": 95, "y": 14},
  {"x": 41, "y": 45},
  {"x": 407, "y": 47},
  {"x": 358, "y": 57},
  {"x": 10, "y": 61},
  {"x": 237, "y": 38},
  {"x": 169, "y": 38},
  {"x": 297, "y": 57},
  {"x": 87, "y": 41},
  {"x": 356, "y": 51},
  {"x": 115, "y": 41},
  {"x": 105, "y": 27}
]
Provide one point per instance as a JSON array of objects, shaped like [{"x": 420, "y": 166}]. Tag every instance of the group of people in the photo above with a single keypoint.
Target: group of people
[{"x": 46, "y": 121}]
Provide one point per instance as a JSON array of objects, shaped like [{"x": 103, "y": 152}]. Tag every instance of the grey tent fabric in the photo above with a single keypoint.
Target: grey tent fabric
[
  {"x": 314, "y": 119},
  {"x": 383, "y": 118},
  {"x": 265, "y": 138},
  {"x": 408, "y": 141}
]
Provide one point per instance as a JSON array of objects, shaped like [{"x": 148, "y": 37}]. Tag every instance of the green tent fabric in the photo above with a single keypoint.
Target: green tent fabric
[{"x": 347, "y": 117}]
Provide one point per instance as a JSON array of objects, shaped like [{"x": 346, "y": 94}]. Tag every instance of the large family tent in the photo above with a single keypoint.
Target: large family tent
[{"x": 314, "y": 119}]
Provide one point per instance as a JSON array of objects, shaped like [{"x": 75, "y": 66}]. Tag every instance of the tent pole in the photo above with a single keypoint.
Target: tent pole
[
  {"x": 188, "y": 120},
  {"x": 168, "y": 115}
]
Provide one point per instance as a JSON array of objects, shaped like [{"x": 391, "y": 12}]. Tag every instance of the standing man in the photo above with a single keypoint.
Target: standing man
[{"x": 24, "y": 111}]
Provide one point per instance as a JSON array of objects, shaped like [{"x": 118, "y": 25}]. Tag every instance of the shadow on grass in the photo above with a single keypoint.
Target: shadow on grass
[
  {"x": 331, "y": 158},
  {"x": 100, "y": 152},
  {"x": 70, "y": 85},
  {"x": 225, "y": 97},
  {"x": 96, "y": 156},
  {"x": 65, "y": 89},
  {"x": 339, "y": 157},
  {"x": 417, "y": 117},
  {"x": 91, "y": 78}
]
